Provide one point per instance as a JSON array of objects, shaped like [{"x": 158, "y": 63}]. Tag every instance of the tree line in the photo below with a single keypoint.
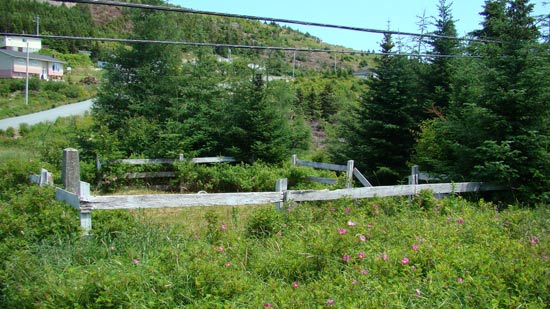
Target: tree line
[{"x": 480, "y": 114}]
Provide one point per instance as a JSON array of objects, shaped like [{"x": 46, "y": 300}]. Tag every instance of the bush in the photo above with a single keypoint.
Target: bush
[{"x": 264, "y": 222}]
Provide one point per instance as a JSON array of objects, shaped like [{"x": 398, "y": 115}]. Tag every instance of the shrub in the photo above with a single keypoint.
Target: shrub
[{"x": 264, "y": 222}]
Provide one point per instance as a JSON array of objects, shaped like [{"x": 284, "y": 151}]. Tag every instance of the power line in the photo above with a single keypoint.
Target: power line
[
  {"x": 279, "y": 20},
  {"x": 238, "y": 46}
]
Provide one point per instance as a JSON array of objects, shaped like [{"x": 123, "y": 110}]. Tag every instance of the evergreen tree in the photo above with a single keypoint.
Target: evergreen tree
[
  {"x": 259, "y": 130},
  {"x": 141, "y": 80},
  {"x": 499, "y": 131},
  {"x": 379, "y": 135},
  {"x": 441, "y": 68}
]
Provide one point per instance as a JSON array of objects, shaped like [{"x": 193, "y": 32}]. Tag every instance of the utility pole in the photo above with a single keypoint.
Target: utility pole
[{"x": 27, "y": 76}]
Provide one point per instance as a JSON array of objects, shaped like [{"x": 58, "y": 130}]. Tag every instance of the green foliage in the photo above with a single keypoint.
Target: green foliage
[
  {"x": 264, "y": 223},
  {"x": 15, "y": 172},
  {"x": 501, "y": 100},
  {"x": 378, "y": 134},
  {"x": 391, "y": 252}
]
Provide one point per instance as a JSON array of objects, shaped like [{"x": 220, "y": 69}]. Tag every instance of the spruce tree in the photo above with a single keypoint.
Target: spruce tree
[
  {"x": 441, "y": 67},
  {"x": 379, "y": 134}
]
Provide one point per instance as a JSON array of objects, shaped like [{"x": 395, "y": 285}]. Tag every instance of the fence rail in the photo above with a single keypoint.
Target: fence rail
[
  {"x": 348, "y": 168},
  {"x": 79, "y": 195}
]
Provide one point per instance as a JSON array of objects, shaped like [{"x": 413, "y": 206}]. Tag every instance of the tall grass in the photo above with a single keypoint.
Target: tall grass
[{"x": 345, "y": 254}]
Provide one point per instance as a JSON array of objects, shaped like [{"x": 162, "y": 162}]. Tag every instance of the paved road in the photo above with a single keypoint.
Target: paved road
[{"x": 47, "y": 115}]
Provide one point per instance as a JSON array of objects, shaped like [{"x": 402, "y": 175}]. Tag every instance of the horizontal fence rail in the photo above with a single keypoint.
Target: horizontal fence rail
[
  {"x": 257, "y": 198},
  {"x": 222, "y": 159},
  {"x": 78, "y": 192}
]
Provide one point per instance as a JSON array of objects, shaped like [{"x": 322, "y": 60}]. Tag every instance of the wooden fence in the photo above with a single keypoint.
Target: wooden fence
[
  {"x": 77, "y": 194},
  {"x": 348, "y": 168},
  {"x": 162, "y": 174}
]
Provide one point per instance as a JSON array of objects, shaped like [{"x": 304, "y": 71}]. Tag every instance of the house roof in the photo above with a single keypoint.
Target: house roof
[{"x": 31, "y": 56}]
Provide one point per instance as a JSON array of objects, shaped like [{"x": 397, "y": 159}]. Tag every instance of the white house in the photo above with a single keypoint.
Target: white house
[
  {"x": 19, "y": 43},
  {"x": 13, "y": 59},
  {"x": 13, "y": 64}
]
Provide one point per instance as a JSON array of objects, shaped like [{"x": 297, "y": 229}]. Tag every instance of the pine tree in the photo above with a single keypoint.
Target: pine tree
[
  {"x": 441, "y": 68},
  {"x": 498, "y": 131},
  {"x": 379, "y": 134},
  {"x": 259, "y": 129}
]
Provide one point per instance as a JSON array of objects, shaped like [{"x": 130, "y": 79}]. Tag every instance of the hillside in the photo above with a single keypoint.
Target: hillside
[{"x": 114, "y": 22}]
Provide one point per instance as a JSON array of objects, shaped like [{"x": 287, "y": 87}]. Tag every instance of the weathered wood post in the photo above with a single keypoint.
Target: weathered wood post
[
  {"x": 413, "y": 179},
  {"x": 70, "y": 176},
  {"x": 70, "y": 170},
  {"x": 280, "y": 186},
  {"x": 349, "y": 174},
  {"x": 294, "y": 159}
]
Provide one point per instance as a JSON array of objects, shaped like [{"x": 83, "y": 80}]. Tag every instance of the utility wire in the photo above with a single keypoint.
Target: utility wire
[
  {"x": 206, "y": 44},
  {"x": 279, "y": 20}
]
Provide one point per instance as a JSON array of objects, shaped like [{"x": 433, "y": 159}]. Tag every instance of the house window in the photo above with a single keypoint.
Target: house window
[
  {"x": 21, "y": 61},
  {"x": 56, "y": 67}
]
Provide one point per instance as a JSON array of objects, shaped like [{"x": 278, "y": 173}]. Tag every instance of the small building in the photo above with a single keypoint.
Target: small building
[
  {"x": 13, "y": 64},
  {"x": 19, "y": 43}
]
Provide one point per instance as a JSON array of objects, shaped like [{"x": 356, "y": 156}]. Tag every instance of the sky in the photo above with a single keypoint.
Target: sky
[{"x": 402, "y": 15}]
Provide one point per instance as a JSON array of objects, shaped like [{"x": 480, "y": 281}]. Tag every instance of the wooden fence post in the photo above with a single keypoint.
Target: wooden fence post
[
  {"x": 280, "y": 186},
  {"x": 294, "y": 159},
  {"x": 70, "y": 170},
  {"x": 349, "y": 174},
  {"x": 70, "y": 176},
  {"x": 414, "y": 175},
  {"x": 413, "y": 179}
]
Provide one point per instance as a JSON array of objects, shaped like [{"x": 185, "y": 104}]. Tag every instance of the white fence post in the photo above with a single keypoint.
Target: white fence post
[
  {"x": 349, "y": 174},
  {"x": 294, "y": 159},
  {"x": 280, "y": 186}
]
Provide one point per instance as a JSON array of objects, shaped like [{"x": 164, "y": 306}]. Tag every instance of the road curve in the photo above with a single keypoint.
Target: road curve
[{"x": 51, "y": 115}]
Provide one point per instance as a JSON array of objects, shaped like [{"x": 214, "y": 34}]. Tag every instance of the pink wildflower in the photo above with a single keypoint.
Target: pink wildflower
[
  {"x": 346, "y": 258},
  {"x": 295, "y": 284},
  {"x": 418, "y": 293},
  {"x": 348, "y": 210},
  {"x": 415, "y": 247},
  {"x": 364, "y": 271},
  {"x": 534, "y": 240},
  {"x": 544, "y": 256},
  {"x": 460, "y": 221},
  {"x": 351, "y": 223},
  {"x": 228, "y": 264},
  {"x": 136, "y": 261},
  {"x": 268, "y": 305},
  {"x": 224, "y": 227},
  {"x": 362, "y": 238},
  {"x": 405, "y": 260},
  {"x": 330, "y": 302},
  {"x": 354, "y": 281},
  {"x": 369, "y": 226},
  {"x": 361, "y": 255},
  {"x": 342, "y": 231},
  {"x": 220, "y": 249},
  {"x": 107, "y": 182},
  {"x": 459, "y": 280}
]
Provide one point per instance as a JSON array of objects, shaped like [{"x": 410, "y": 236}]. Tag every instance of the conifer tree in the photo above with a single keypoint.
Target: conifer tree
[
  {"x": 379, "y": 134},
  {"x": 441, "y": 68}
]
